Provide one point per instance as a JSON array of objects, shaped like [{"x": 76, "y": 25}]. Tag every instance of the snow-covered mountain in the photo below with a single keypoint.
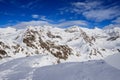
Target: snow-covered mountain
[
  {"x": 58, "y": 44},
  {"x": 26, "y": 53}
]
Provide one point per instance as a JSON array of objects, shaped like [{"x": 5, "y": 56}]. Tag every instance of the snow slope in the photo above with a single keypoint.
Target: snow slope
[
  {"x": 27, "y": 69},
  {"x": 114, "y": 60}
]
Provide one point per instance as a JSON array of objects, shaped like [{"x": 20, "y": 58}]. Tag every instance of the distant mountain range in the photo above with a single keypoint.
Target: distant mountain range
[
  {"x": 60, "y": 45},
  {"x": 32, "y": 53}
]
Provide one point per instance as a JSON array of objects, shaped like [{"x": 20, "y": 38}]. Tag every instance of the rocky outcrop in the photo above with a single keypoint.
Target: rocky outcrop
[
  {"x": 3, "y": 45},
  {"x": 112, "y": 38},
  {"x": 50, "y": 35},
  {"x": 3, "y": 53},
  {"x": 37, "y": 43},
  {"x": 87, "y": 38},
  {"x": 59, "y": 51},
  {"x": 95, "y": 52}
]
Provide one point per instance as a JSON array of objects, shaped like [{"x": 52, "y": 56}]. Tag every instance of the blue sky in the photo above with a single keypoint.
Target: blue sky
[{"x": 88, "y": 13}]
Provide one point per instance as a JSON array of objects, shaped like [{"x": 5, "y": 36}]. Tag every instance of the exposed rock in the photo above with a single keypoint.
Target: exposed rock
[
  {"x": 29, "y": 38},
  {"x": 61, "y": 51},
  {"x": 3, "y": 45},
  {"x": 118, "y": 50},
  {"x": 103, "y": 49},
  {"x": 112, "y": 38},
  {"x": 50, "y": 35},
  {"x": 86, "y": 37},
  {"x": 2, "y": 52},
  {"x": 95, "y": 52}
]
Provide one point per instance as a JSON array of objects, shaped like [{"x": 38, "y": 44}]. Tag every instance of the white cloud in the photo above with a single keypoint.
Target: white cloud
[
  {"x": 42, "y": 23},
  {"x": 93, "y": 10},
  {"x": 35, "y": 16},
  {"x": 30, "y": 4},
  {"x": 41, "y": 17},
  {"x": 111, "y": 26},
  {"x": 45, "y": 19},
  {"x": 83, "y": 6},
  {"x": 71, "y": 23},
  {"x": 30, "y": 23},
  {"x": 117, "y": 21},
  {"x": 102, "y": 14}
]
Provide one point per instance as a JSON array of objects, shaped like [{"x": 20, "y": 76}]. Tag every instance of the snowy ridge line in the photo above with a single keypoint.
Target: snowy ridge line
[{"x": 61, "y": 45}]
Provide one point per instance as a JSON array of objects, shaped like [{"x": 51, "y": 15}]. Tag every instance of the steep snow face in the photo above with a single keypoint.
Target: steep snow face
[
  {"x": 63, "y": 45},
  {"x": 29, "y": 69}
]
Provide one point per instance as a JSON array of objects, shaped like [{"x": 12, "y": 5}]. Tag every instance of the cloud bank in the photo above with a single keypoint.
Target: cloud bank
[
  {"x": 63, "y": 24},
  {"x": 94, "y": 10}
]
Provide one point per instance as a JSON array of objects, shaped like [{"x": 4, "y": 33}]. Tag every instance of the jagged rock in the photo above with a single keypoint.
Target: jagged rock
[
  {"x": 29, "y": 37},
  {"x": 3, "y": 45},
  {"x": 112, "y": 38},
  {"x": 118, "y": 50},
  {"x": 95, "y": 52},
  {"x": 62, "y": 51},
  {"x": 2, "y": 52},
  {"x": 50, "y": 35}
]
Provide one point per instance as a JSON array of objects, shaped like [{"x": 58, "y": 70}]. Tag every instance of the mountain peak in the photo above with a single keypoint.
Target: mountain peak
[{"x": 59, "y": 43}]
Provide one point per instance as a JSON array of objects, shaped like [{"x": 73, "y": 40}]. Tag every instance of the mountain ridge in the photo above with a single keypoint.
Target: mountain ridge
[{"x": 71, "y": 44}]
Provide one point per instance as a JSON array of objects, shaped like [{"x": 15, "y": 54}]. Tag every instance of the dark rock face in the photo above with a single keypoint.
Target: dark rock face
[
  {"x": 112, "y": 38},
  {"x": 29, "y": 37},
  {"x": 63, "y": 51},
  {"x": 118, "y": 50},
  {"x": 95, "y": 52},
  {"x": 59, "y": 51},
  {"x": 17, "y": 48},
  {"x": 50, "y": 35},
  {"x": 86, "y": 37},
  {"x": 3, "y": 54},
  {"x": 4, "y": 45}
]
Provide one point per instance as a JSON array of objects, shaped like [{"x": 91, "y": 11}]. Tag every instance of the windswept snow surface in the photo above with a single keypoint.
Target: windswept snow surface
[
  {"x": 27, "y": 69},
  {"x": 114, "y": 60}
]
